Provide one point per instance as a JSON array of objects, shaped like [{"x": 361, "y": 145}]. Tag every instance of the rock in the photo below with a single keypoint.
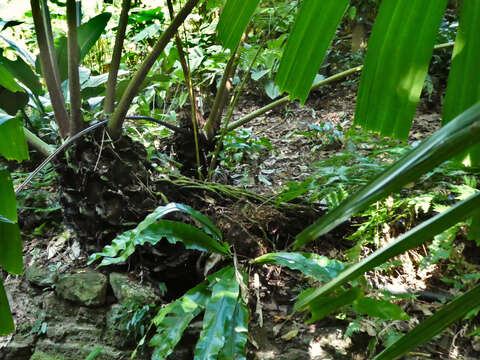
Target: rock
[
  {"x": 20, "y": 348},
  {"x": 115, "y": 332},
  {"x": 126, "y": 289},
  {"x": 86, "y": 287},
  {"x": 77, "y": 351},
  {"x": 40, "y": 277},
  {"x": 40, "y": 355}
]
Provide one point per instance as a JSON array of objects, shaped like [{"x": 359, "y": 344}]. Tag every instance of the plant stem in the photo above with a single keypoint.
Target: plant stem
[
  {"x": 76, "y": 117},
  {"x": 116, "y": 57},
  {"x": 188, "y": 81},
  {"x": 49, "y": 36},
  {"x": 214, "y": 119},
  {"x": 38, "y": 144},
  {"x": 115, "y": 124},
  {"x": 48, "y": 68}
]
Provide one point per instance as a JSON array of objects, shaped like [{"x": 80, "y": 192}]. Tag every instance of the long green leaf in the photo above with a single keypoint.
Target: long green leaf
[
  {"x": 10, "y": 245},
  {"x": 218, "y": 321},
  {"x": 381, "y": 309},
  {"x": 234, "y": 19},
  {"x": 464, "y": 78},
  {"x": 306, "y": 47},
  {"x": 172, "y": 320},
  {"x": 6, "y": 321},
  {"x": 443, "y": 318},
  {"x": 25, "y": 54},
  {"x": 323, "y": 306},
  {"x": 13, "y": 145},
  {"x": 452, "y": 139},
  {"x": 396, "y": 64},
  {"x": 318, "y": 267},
  {"x": 407, "y": 241},
  {"x": 88, "y": 34},
  {"x": 11, "y": 101},
  {"x": 237, "y": 334}
]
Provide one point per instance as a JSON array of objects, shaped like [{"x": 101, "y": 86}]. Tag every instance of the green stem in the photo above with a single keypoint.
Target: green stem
[
  {"x": 118, "y": 117},
  {"x": 38, "y": 144},
  {"x": 48, "y": 68},
  {"x": 76, "y": 117},
  {"x": 116, "y": 57}
]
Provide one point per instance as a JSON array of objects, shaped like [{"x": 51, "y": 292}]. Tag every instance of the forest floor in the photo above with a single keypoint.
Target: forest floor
[{"x": 297, "y": 145}]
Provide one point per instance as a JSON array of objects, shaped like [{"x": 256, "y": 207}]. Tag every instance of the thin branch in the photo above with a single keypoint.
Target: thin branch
[
  {"x": 48, "y": 69},
  {"x": 76, "y": 117},
  {"x": 118, "y": 117},
  {"x": 116, "y": 57}
]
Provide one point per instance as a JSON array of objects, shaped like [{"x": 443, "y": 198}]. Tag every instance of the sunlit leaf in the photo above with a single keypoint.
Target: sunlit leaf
[
  {"x": 22, "y": 72},
  {"x": 7, "y": 80},
  {"x": 318, "y": 267},
  {"x": 463, "y": 90},
  {"x": 435, "y": 324},
  {"x": 396, "y": 64},
  {"x": 234, "y": 19},
  {"x": 407, "y": 241},
  {"x": 453, "y": 138},
  {"x": 307, "y": 45}
]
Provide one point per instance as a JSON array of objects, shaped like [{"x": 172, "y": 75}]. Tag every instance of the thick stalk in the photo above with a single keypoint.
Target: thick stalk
[
  {"x": 118, "y": 117},
  {"x": 214, "y": 119},
  {"x": 48, "y": 69},
  {"x": 38, "y": 144},
  {"x": 116, "y": 57},
  {"x": 49, "y": 36},
  {"x": 76, "y": 117},
  {"x": 188, "y": 81}
]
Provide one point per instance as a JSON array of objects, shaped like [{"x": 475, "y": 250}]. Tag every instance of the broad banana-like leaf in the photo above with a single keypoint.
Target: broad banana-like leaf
[
  {"x": 218, "y": 320},
  {"x": 435, "y": 324},
  {"x": 88, "y": 34},
  {"x": 22, "y": 72},
  {"x": 11, "y": 245},
  {"x": 7, "y": 80},
  {"x": 318, "y": 267},
  {"x": 307, "y": 45},
  {"x": 452, "y": 139},
  {"x": 6, "y": 321},
  {"x": 172, "y": 320},
  {"x": 407, "y": 241},
  {"x": 11, "y": 102},
  {"x": 25, "y": 54},
  {"x": 234, "y": 20},
  {"x": 13, "y": 145},
  {"x": 463, "y": 88},
  {"x": 396, "y": 64}
]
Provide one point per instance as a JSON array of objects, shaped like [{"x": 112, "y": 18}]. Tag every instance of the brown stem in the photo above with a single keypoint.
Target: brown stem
[
  {"x": 118, "y": 117},
  {"x": 76, "y": 117},
  {"x": 48, "y": 69},
  {"x": 214, "y": 119},
  {"x": 116, "y": 57},
  {"x": 49, "y": 36},
  {"x": 188, "y": 81}
]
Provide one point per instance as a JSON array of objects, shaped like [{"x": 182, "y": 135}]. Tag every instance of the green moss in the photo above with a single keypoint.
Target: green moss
[{"x": 38, "y": 355}]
